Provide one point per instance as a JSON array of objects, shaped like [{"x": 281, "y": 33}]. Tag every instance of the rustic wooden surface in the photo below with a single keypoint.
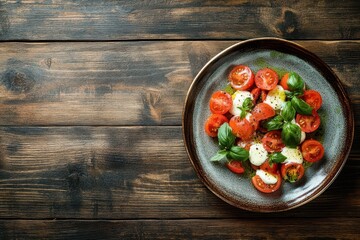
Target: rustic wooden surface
[{"x": 91, "y": 97}]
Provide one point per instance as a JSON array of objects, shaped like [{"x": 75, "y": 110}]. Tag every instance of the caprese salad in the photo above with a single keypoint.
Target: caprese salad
[{"x": 266, "y": 124}]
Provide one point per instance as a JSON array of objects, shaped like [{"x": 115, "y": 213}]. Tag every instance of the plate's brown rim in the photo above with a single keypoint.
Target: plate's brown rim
[{"x": 290, "y": 48}]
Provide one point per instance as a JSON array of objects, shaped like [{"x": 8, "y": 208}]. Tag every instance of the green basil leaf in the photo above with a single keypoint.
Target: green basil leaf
[
  {"x": 242, "y": 113},
  {"x": 248, "y": 103},
  {"x": 225, "y": 136},
  {"x": 246, "y": 107},
  {"x": 276, "y": 158},
  {"x": 288, "y": 112},
  {"x": 301, "y": 106},
  {"x": 291, "y": 135},
  {"x": 275, "y": 123},
  {"x": 295, "y": 82},
  {"x": 219, "y": 155},
  {"x": 229, "y": 89},
  {"x": 238, "y": 153}
]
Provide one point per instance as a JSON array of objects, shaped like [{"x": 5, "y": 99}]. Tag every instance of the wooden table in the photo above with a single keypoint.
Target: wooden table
[{"x": 91, "y": 100}]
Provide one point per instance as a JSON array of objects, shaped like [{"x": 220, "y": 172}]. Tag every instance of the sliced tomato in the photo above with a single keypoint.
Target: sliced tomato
[
  {"x": 255, "y": 124},
  {"x": 220, "y": 102},
  {"x": 266, "y": 188},
  {"x": 271, "y": 168},
  {"x": 213, "y": 123},
  {"x": 272, "y": 141},
  {"x": 241, "y": 77},
  {"x": 313, "y": 98},
  {"x": 292, "y": 171},
  {"x": 308, "y": 123},
  {"x": 255, "y": 94},
  {"x": 235, "y": 167},
  {"x": 312, "y": 150},
  {"x": 262, "y": 111},
  {"x": 263, "y": 95},
  {"x": 241, "y": 128},
  {"x": 266, "y": 79},
  {"x": 284, "y": 80}
]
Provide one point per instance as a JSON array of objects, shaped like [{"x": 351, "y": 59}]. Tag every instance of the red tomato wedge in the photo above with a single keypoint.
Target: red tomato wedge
[
  {"x": 255, "y": 94},
  {"x": 284, "y": 80},
  {"x": 266, "y": 79},
  {"x": 266, "y": 188},
  {"x": 273, "y": 168},
  {"x": 292, "y": 171},
  {"x": 313, "y": 98},
  {"x": 241, "y": 77},
  {"x": 272, "y": 141},
  {"x": 213, "y": 124},
  {"x": 312, "y": 150},
  {"x": 308, "y": 123},
  {"x": 220, "y": 102},
  {"x": 241, "y": 128},
  {"x": 235, "y": 167},
  {"x": 262, "y": 111}
]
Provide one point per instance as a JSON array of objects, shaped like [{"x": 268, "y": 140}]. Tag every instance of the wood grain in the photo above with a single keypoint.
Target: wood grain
[
  {"x": 170, "y": 19},
  {"x": 272, "y": 228},
  {"x": 126, "y": 173},
  {"x": 124, "y": 83}
]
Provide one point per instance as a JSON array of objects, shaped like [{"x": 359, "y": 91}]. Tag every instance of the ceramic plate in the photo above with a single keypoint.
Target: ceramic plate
[{"x": 336, "y": 115}]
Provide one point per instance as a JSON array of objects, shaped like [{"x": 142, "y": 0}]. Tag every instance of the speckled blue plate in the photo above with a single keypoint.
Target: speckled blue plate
[{"x": 336, "y": 115}]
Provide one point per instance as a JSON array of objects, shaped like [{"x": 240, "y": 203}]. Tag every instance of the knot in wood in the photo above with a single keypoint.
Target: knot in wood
[
  {"x": 18, "y": 81},
  {"x": 288, "y": 25}
]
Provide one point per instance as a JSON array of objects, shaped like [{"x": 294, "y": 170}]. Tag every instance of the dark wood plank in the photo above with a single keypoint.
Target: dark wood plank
[
  {"x": 114, "y": 20},
  {"x": 124, "y": 83},
  {"x": 126, "y": 173},
  {"x": 272, "y": 228}
]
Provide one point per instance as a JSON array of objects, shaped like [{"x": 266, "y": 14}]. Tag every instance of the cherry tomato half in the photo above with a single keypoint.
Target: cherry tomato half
[
  {"x": 266, "y": 79},
  {"x": 241, "y": 77},
  {"x": 241, "y": 128},
  {"x": 266, "y": 188},
  {"x": 220, "y": 102},
  {"x": 262, "y": 111},
  {"x": 235, "y": 167},
  {"x": 292, "y": 171},
  {"x": 284, "y": 80},
  {"x": 272, "y": 141},
  {"x": 213, "y": 123},
  {"x": 308, "y": 123},
  {"x": 313, "y": 98},
  {"x": 271, "y": 168},
  {"x": 312, "y": 150}
]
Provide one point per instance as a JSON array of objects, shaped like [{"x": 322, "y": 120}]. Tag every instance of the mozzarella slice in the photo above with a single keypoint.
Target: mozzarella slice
[
  {"x": 292, "y": 155},
  {"x": 267, "y": 178},
  {"x": 276, "y": 97},
  {"x": 238, "y": 100},
  {"x": 257, "y": 154}
]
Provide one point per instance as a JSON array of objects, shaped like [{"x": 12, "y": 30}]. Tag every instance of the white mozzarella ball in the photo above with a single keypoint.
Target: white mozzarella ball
[
  {"x": 292, "y": 155},
  {"x": 276, "y": 97},
  {"x": 267, "y": 178},
  {"x": 238, "y": 99},
  {"x": 257, "y": 154}
]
